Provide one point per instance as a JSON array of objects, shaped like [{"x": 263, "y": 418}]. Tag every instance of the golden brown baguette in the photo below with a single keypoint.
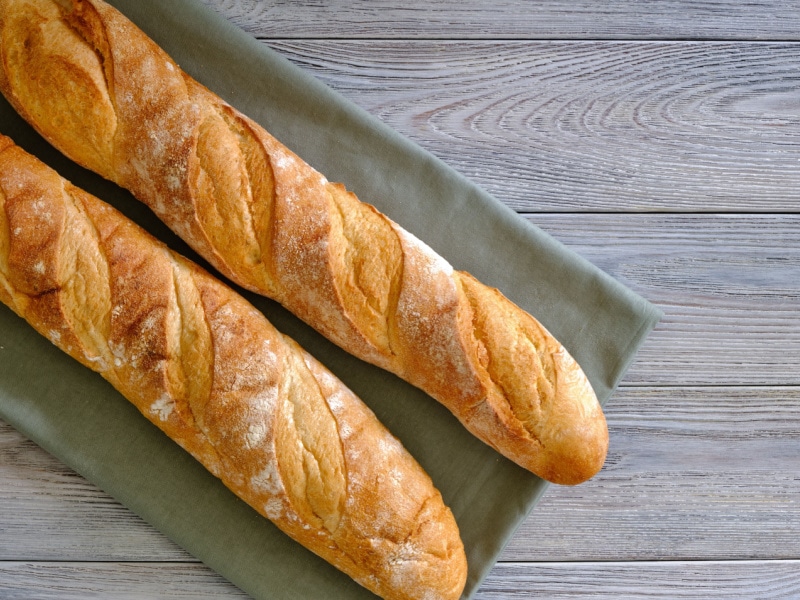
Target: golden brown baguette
[
  {"x": 207, "y": 368},
  {"x": 103, "y": 93}
]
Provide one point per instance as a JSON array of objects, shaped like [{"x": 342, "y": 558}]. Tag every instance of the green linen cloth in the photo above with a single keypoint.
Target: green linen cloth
[{"x": 76, "y": 416}]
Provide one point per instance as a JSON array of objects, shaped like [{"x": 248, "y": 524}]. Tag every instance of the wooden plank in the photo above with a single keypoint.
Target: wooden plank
[
  {"x": 729, "y": 286},
  {"x": 700, "y": 472},
  {"x": 591, "y": 126},
  {"x": 507, "y": 19},
  {"x": 692, "y": 473},
  {"x": 766, "y": 580},
  {"x": 121, "y": 581}
]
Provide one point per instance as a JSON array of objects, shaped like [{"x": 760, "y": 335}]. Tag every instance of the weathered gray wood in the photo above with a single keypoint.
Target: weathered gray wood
[
  {"x": 591, "y": 126},
  {"x": 505, "y": 19},
  {"x": 120, "y": 581},
  {"x": 692, "y": 473},
  {"x": 729, "y": 286},
  {"x": 701, "y": 473},
  {"x": 765, "y": 580}
]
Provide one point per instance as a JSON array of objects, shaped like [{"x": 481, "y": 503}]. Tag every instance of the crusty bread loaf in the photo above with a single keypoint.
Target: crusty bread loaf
[
  {"x": 207, "y": 368},
  {"x": 108, "y": 97}
]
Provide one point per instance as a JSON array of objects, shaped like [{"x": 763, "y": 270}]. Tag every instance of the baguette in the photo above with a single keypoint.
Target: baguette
[
  {"x": 107, "y": 96},
  {"x": 207, "y": 368}
]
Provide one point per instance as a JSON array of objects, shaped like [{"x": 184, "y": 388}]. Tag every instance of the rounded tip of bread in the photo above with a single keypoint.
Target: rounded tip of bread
[
  {"x": 577, "y": 439},
  {"x": 577, "y": 453},
  {"x": 430, "y": 564},
  {"x": 439, "y": 548}
]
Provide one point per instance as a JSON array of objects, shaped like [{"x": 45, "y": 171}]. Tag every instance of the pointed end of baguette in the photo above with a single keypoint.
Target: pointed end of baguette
[
  {"x": 577, "y": 456},
  {"x": 575, "y": 442},
  {"x": 538, "y": 407}
]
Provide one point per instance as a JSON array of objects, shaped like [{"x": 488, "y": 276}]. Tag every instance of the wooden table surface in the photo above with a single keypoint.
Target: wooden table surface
[{"x": 660, "y": 140}]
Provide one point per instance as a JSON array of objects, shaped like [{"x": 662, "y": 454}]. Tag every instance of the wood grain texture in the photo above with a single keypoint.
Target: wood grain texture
[
  {"x": 121, "y": 581},
  {"x": 449, "y": 19},
  {"x": 590, "y": 126},
  {"x": 705, "y": 473},
  {"x": 729, "y": 285},
  {"x": 777, "y": 580},
  {"x": 765, "y": 580}
]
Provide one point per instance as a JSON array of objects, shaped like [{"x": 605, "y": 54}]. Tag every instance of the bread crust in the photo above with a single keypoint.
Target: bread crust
[
  {"x": 208, "y": 369},
  {"x": 271, "y": 223}
]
